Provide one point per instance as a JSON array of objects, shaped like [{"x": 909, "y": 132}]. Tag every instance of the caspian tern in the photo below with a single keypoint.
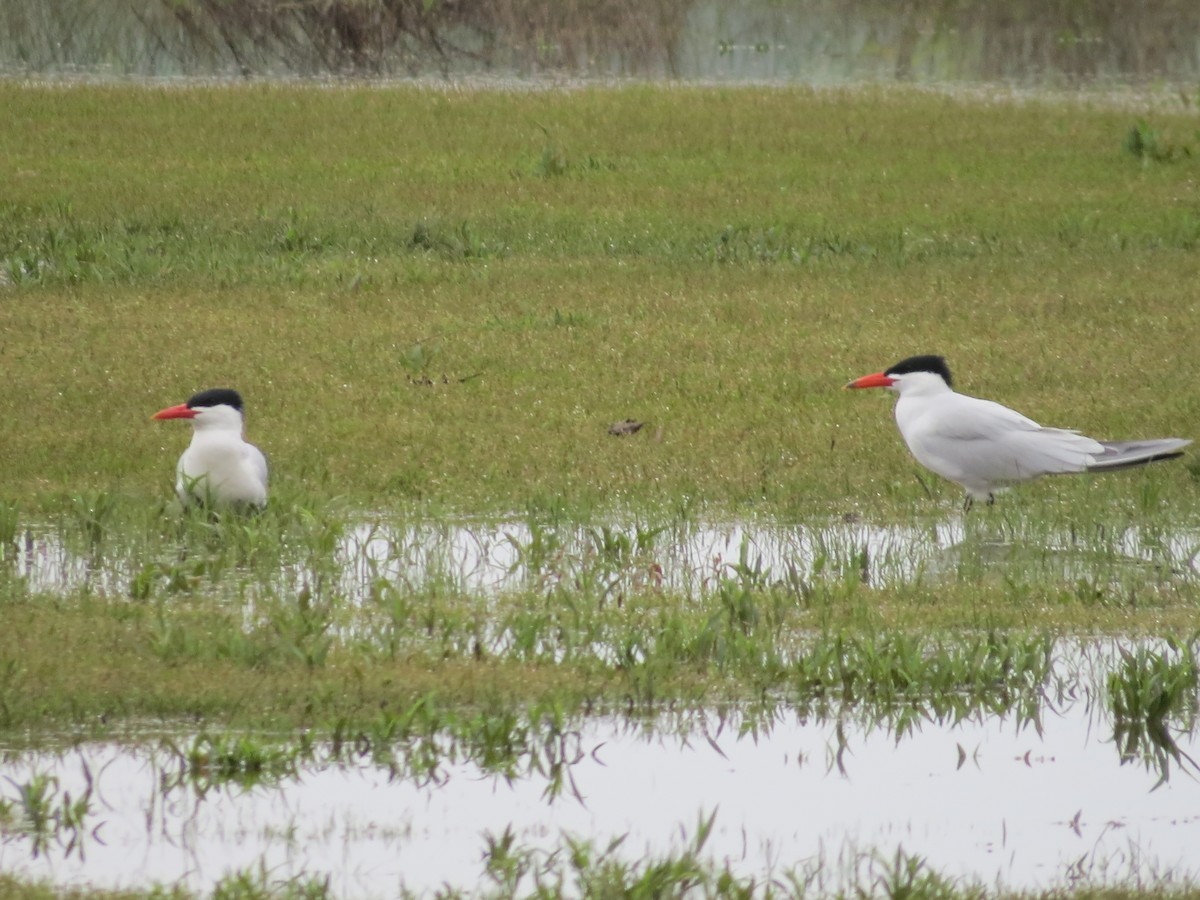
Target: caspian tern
[
  {"x": 983, "y": 446},
  {"x": 219, "y": 465}
]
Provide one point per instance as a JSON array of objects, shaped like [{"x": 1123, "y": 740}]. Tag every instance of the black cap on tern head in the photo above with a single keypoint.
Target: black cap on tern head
[
  {"x": 216, "y": 397},
  {"x": 929, "y": 363}
]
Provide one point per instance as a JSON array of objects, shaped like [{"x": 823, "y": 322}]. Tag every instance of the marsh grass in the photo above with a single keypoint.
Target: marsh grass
[
  {"x": 425, "y": 313},
  {"x": 27, "y": 889},
  {"x": 1149, "y": 146},
  {"x": 39, "y": 810},
  {"x": 1154, "y": 697},
  {"x": 431, "y": 740},
  {"x": 259, "y": 883},
  {"x": 295, "y": 617},
  {"x": 244, "y": 761},
  {"x": 587, "y": 867},
  {"x": 584, "y": 867},
  {"x": 592, "y": 871},
  {"x": 437, "y": 302}
]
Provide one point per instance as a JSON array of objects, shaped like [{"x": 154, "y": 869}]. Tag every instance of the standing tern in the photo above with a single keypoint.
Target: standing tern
[
  {"x": 218, "y": 465},
  {"x": 983, "y": 446}
]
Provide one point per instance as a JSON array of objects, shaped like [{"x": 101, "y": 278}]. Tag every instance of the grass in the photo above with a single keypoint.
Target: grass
[
  {"x": 296, "y": 617},
  {"x": 1154, "y": 700},
  {"x": 417, "y": 312},
  {"x": 436, "y": 302},
  {"x": 46, "y": 815},
  {"x": 578, "y": 866},
  {"x": 428, "y": 740}
]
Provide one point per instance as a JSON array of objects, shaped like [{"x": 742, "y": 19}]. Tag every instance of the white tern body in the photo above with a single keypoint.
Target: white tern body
[
  {"x": 984, "y": 446},
  {"x": 219, "y": 465}
]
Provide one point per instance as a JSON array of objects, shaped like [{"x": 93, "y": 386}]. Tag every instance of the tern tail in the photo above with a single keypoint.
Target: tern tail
[{"x": 1127, "y": 454}]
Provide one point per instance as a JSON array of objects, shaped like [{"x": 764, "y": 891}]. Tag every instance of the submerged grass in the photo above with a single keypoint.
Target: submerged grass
[
  {"x": 42, "y": 813},
  {"x": 585, "y": 867},
  {"x": 1154, "y": 700},
  {"x": 305, "y": 616},
  {"x": 436, "y": 302}
]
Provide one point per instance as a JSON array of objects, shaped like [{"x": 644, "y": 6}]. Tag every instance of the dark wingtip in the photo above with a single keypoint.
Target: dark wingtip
[
  {"x": 1136, "y": 463},
  {"x": 1128, "y": 454}
]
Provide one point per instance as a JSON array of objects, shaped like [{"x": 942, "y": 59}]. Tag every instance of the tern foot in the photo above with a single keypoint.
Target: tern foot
[{"x": 970, "y": 501}]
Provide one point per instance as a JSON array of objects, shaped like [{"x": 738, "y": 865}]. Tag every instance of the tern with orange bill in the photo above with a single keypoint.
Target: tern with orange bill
[
  {"x": 985, "y": 447},
  {"x": 219, "y": 466}
]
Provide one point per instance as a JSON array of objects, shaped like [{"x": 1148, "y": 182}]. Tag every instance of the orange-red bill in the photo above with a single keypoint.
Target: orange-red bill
[
  {"x": 876, "y": 379},
  {"x": 182, "y": 411}
]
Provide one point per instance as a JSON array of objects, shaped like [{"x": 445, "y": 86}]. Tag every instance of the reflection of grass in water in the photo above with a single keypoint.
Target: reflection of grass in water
[
  {"x": 254, "y": 620},
  {"x": 39, "y": 810},
  {"x": 992, "y": 676},
  {"x": 586, "y": 297},
  {"x": 215, "y": 760},
  {"x": 1153, "y": 695},
  {"x": 585, "y": 867}
]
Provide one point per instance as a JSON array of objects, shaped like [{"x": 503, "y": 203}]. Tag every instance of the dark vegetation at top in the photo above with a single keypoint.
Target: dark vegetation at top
[{"x": 1025, "y": 40}]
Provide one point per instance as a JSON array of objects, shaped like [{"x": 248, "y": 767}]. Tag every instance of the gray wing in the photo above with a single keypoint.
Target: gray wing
[
  {"x": 257, "y": 462},
  {"x": 979, "y": 442}
]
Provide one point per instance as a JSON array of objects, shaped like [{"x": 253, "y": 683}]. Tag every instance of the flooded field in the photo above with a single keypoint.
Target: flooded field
[
  {"x": 1015, "y": 762},
  {"x": 477, "y": 557},
  {"x": 475, "y": 643},
  {"x": 1052, "y": 793}
]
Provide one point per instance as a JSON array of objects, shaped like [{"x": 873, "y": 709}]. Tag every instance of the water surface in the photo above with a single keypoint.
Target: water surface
[
  {"x": 1014, "y": 800},
  {"x": 491, "y": 558}
]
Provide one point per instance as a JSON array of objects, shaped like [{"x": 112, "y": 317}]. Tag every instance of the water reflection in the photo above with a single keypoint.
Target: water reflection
[
  {"x": 1019, "y": 801},
  {"x": 1153, "y": 698},
  {"x": 489, "y": 558}
]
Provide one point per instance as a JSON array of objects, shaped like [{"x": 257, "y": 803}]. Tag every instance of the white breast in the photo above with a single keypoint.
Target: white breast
[{"x": 219, "y": 466}]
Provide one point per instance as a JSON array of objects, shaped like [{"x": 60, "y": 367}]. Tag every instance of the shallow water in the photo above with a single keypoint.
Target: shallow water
[
  {"x": 1023, "y": 802},
  {"x": 491, "y": 558}
]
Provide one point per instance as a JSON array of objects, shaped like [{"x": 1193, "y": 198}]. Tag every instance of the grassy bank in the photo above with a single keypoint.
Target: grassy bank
[{"x": 446, "y": 297}]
